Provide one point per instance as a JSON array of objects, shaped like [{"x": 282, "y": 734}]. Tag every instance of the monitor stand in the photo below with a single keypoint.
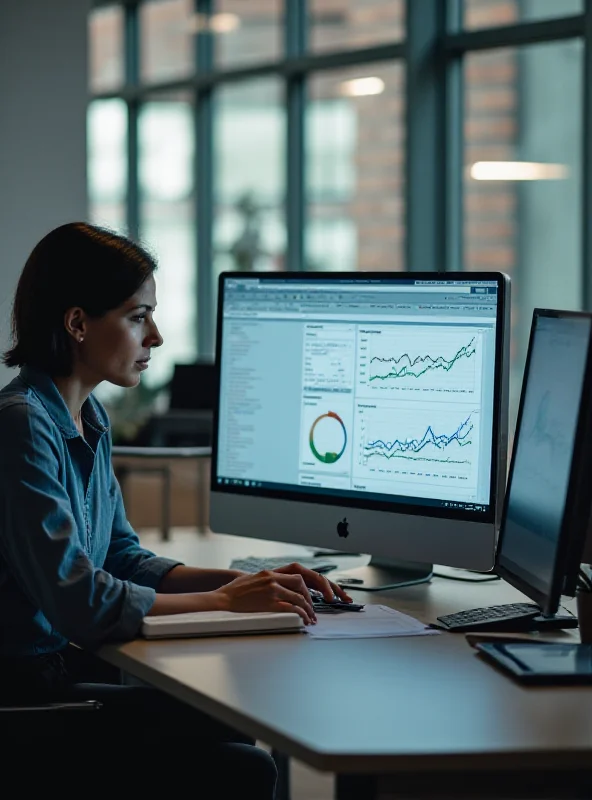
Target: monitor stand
[
  {"x": 382, "y": 574},
  {"x": 555, "y": 622}
]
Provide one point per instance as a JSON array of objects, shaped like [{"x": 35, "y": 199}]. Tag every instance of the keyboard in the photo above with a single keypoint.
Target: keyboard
[
  {"x": 507, "y": 617},
  {"x": 254, "y": 564}
]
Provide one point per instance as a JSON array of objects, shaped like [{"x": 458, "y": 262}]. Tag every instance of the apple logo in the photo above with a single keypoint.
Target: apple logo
[{"x": 343, "y": 528}]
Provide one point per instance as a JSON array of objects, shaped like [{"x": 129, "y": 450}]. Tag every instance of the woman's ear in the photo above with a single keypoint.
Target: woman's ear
[{"x": 75, "y": 323}]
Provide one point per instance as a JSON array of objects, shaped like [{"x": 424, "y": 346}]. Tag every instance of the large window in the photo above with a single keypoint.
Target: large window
[
  {"x": 343, "y": 135},
  {"x": 249, "y": 179},
  {"x": 522, "y": 164},
  {"x": 354, "y": 23},
  {"x": 107, "y": 163},
  {"x": 489, "y": 13},
  {"x": 167, "y": 223},
  {"x": 354, "y": 169}
]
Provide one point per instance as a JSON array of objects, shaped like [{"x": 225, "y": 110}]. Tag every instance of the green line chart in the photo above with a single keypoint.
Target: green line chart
[{"x": 415, "y": 359}]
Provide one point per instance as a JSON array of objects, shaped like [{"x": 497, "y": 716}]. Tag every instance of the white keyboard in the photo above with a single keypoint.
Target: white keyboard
[{"x": 255, "y": 564}]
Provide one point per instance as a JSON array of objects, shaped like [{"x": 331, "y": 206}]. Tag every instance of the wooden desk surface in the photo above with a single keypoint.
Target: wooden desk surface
[{"x": 373, "y": 705}]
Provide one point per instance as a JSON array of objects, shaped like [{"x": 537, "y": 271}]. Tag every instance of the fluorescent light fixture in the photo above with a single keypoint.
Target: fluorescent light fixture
[
  {"x": 224, "y": 23},
  {"x": 360, "y": 87},
  {"x": 517, "y": 171},
  {"x": 215, "y": 23}
]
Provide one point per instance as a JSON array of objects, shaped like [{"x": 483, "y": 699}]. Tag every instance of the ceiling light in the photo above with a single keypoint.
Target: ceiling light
[
  {"x": 224, "y": 23},
  {"x": 216, "y": 23},
  {"x": 360, "y": 87},
  {"x": 517, "y": 171}
]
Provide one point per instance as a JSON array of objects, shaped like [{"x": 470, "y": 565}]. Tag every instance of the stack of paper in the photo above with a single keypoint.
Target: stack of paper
[{"x": 374, "y": 621}]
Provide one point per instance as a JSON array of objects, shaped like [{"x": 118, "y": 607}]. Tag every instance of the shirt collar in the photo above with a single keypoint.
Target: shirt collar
[{"x": 55, "y": 405}]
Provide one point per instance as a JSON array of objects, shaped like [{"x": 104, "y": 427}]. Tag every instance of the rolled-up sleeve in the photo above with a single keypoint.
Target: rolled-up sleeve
[
  {"x": 126, "y": 558},
  {"x": 41, "y": 545}
]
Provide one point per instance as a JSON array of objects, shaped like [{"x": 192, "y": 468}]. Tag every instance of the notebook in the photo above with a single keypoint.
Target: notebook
[{"x": 220, "y": 623}]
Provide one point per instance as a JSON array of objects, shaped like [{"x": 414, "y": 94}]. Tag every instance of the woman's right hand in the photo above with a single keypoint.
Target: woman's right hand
[{"x": 268, "y": 591}]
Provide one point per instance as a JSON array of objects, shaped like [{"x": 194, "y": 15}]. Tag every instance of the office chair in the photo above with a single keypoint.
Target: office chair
[{"x": 20, "y": 723}]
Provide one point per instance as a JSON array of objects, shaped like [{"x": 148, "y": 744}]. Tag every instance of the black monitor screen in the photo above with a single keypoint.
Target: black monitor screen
[{"x": 543, "y": 450}]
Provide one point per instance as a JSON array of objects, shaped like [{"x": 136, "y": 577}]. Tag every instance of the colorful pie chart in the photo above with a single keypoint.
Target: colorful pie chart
[{"x": 328, "y": 438}]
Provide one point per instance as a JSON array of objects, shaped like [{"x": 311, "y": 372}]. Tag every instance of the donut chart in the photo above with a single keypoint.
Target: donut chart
[{"x": 328, "y": 438}]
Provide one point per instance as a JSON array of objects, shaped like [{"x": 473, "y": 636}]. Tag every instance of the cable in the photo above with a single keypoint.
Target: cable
[{"x": 487, "y": 579}]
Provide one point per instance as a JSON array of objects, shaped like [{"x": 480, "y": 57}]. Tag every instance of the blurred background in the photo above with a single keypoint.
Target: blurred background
[
  {"x": 270, "y": 135},
  {"x": 381, "y": 135}
]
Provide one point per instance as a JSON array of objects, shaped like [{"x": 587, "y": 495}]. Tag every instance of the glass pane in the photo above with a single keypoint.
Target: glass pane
[
  {"x": 166, "y": 39},
  {"x": 355, "y": 169},
  {"x": 336, "y": 24},
  {"x": 246, "y": 32},
  {"x": 106, "y": 60},
  {"x": 523, "y": 210},
  {"x": 107, "y": 163},
  {"x": 167, "y": 227},
  {"x": 249, "y": 164},
  {"x": 491, "y": 13}
]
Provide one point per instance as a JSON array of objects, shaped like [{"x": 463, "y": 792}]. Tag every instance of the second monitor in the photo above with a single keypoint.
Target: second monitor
[
  {"x": 363, "y": 412},
  {"x": 548, "y": 504}
]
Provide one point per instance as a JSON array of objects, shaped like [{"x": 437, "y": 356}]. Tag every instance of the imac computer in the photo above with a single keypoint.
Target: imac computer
[
  {"x": 548, "y": 501},
  {"x": 364, "y": 412}
]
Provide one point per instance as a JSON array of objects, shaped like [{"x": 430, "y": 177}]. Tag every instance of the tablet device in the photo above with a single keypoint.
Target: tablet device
[{"x": 541, "y": 663}]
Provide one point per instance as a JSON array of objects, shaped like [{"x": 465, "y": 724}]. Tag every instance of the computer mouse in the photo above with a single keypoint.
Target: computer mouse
[
  {"x": 319, "y": 597},
  {"x": 336, "y": 604}
]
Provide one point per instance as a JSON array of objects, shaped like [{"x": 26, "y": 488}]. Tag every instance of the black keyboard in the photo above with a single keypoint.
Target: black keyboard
[{"x": 507, "y": 617}]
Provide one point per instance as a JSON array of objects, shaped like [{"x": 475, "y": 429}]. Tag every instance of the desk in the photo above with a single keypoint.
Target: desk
[
  {"x": 127, "y": 460},
  {"x": 409, "y": 717}
]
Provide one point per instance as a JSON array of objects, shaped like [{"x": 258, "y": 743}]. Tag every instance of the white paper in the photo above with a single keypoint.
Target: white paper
[{"x": 372, "y": 622}]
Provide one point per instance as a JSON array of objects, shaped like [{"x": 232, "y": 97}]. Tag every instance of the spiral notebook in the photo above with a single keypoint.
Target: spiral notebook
[{"x": 220, "y": 623}]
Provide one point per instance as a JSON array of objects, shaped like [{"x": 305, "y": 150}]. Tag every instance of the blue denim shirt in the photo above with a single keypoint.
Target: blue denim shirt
[{"x": 71, "y": 566}]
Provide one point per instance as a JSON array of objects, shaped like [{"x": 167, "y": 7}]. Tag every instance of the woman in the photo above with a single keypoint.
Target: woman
[{"x": 72, "y": 572}]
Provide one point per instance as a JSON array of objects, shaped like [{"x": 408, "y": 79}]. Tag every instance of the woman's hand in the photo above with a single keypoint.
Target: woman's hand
[
  {"x": 316, "y": 581},
  {"x": 280, "y": 590}
]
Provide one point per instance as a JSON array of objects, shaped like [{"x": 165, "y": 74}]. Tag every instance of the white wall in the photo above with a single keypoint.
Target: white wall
[{"x": 43, "y": 98}]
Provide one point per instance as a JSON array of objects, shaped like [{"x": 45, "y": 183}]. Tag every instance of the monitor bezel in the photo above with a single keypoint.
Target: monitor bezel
[
  {"x": 500, "y": 400},
  {"x": 578, "y": 503}
]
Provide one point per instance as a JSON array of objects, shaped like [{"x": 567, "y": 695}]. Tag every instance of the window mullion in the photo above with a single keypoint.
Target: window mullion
[
  {"x": 204, "y": 188},
  {"x": 587, "y": 163},
  {"x": 295, "y": 43},
  {"x": 132, "y": 71}
]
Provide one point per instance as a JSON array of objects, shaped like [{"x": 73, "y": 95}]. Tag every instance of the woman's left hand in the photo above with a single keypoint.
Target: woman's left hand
[{"x": 314, "y": 580}]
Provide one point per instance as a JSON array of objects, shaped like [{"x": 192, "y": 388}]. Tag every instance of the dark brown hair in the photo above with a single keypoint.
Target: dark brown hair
[{"x": 76, "y": 264}]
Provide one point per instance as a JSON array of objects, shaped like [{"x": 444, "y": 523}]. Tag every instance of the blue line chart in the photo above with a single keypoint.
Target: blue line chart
[{"x": 412, "y": 448}]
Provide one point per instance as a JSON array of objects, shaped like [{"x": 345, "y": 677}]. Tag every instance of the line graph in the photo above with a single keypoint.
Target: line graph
[
  {"x": 415, "y": 442},
  {"x": 411, "y": 448},
  {"x": 416, "y": 367},
  {"x": 399, "y": 360}
]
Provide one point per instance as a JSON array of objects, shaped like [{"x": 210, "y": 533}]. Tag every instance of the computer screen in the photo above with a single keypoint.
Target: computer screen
[
  {"x": 547, "y": 504},
  {"x": 363, "y": 411}
]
